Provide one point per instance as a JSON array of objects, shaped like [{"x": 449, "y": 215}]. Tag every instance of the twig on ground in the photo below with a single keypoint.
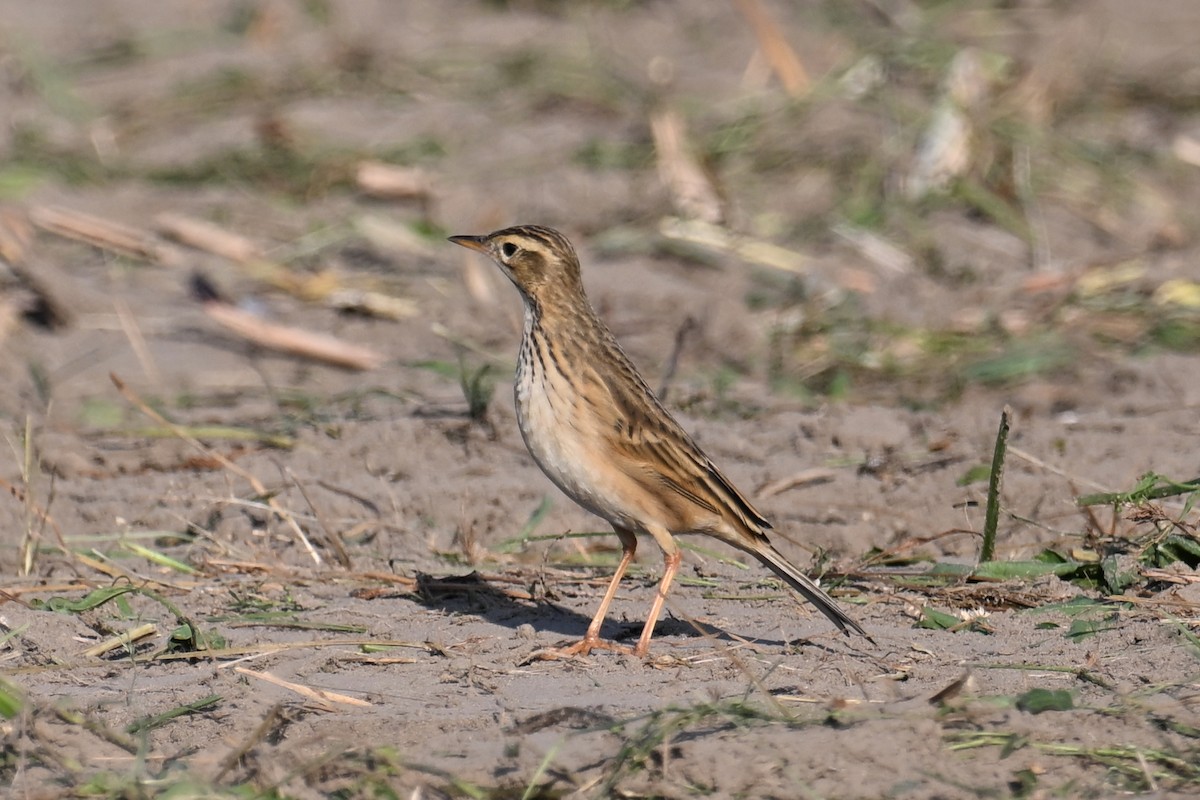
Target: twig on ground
[
  {"x": 780, "y": 55},
  {"x": 104, "y": 234},
  {"x": 332, "y": 536},
  {"x": 321, "y": 696},
  {"x": 692, "y": 191},
  {"x": 295, "y": 341},
  {"x": 805, "y": 477},
  {"x": 121, "y": 640},
  {"x": 393, "y": 182}
]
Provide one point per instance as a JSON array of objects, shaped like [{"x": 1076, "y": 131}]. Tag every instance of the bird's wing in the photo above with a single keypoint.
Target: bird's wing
[{"x": 651, "y": 447}]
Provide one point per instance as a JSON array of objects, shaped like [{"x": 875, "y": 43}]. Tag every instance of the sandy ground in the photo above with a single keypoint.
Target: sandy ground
[{"x": 747, "y": 693}]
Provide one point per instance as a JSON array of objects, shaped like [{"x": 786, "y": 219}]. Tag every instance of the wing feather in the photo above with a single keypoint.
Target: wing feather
[{"x": 652, "y": 448}]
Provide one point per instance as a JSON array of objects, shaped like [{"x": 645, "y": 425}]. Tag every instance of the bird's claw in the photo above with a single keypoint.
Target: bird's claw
[{"x": 580, "y": 649}]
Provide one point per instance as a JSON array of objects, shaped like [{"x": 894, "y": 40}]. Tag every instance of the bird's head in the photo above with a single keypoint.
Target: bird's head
[{"x": 536, "y": 259}]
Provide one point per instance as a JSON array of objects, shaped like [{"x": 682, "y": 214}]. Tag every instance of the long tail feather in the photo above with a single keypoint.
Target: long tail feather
[{"x": 774, "y": 560}]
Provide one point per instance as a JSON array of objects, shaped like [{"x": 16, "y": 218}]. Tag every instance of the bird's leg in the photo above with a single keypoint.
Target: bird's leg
[
  {"x": 592, "y": 639},
  {"x": 672, "y": 558}
]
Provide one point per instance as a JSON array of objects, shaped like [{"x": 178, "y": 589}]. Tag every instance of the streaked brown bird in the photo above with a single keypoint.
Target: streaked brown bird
[{"x": 599, "y": 433}]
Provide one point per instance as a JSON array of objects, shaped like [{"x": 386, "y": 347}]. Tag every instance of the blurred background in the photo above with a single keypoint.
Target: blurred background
[{"x": 924, "y": 197}]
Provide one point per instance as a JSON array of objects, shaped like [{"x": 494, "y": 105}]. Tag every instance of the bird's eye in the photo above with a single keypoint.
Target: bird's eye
[{"x": 508, "y": 249}]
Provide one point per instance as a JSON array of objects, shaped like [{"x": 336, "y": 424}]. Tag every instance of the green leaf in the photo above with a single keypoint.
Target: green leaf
[
  {"x": 1007, "y": 570},
  {"x": 10, "y": 700},
  {"x": 948, "y": 569},
  {"x": 1116, "y": 579},
  {"x": 1083, "y": 628},
  {"x": 124, "y": 610},
  {"x": 1048, "y": 563},
  {"x": 937, "y": 620},
  {"x": 1049, "y": 556},
  {"x": 1035, "y": 701},
  {"x": 187, "y": 638},
  {"x": 1177, "y": 548},
  {"x": 93, "y": 599},
  {"x": 977, "y": 473},
  {"x": 1080, "y": 604}
]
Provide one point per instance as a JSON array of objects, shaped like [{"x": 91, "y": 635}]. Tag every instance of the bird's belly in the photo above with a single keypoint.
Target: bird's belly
[{"x": 566, "y": 448}]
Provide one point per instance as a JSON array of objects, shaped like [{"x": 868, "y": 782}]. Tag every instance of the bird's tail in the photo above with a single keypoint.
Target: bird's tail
[{"x": 774, "y": 560}]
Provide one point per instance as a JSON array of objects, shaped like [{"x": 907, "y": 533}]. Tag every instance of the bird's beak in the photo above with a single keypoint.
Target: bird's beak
[{"x": 477, "y": 243}]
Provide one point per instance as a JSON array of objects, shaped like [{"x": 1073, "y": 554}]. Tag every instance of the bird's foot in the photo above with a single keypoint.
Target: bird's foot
[{"x": 581, "y": 648}]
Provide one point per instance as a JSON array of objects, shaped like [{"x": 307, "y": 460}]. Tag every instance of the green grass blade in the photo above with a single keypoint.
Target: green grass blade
[
  {"x": 161, "y": 559},
  {"x": 991, "y": 517},
  {"x": 158, "y": 720}
]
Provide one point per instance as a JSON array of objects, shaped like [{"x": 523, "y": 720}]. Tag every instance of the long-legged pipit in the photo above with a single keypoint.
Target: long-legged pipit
[{"x": 595, "y": 428}]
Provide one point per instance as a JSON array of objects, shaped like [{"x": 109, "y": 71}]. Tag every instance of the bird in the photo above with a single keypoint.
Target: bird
[{"x": 599, "y": 433}]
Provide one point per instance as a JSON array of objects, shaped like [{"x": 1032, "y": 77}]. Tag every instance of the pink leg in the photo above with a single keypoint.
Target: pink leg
[
  {"x": 592, "y": 638},
  {"x": 672, "y": 559}
]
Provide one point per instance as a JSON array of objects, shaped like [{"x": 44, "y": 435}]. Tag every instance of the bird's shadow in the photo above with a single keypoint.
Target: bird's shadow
[
  {"x": 515, "y": 601},
  {"x": 503, "y": 600}
]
